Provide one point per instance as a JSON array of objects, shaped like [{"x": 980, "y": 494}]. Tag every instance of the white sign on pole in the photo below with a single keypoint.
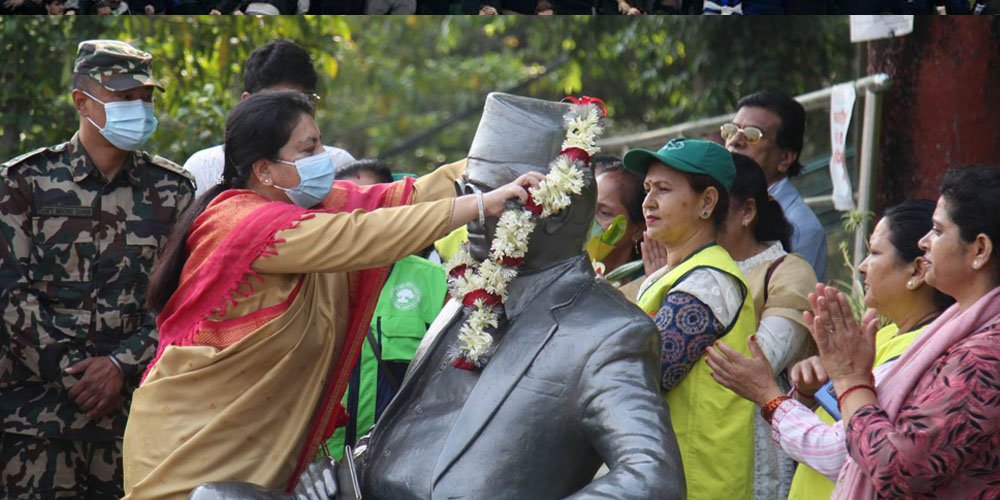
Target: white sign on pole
[
  {"x": 841, "y": 107},
  {"x": 864, "y": 28}
]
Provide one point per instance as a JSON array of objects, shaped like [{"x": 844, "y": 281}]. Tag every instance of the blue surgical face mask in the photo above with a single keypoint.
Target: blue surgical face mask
[
  {"x": 316, "y": 176},
  {"x": 127, "y": 124}
]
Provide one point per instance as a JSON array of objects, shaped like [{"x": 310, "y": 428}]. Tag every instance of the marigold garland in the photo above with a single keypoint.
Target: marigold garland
[{"x": 482, "y": 286}]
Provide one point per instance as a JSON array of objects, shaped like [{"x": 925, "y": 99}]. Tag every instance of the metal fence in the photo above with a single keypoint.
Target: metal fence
[{"x": 870, "y": 86}]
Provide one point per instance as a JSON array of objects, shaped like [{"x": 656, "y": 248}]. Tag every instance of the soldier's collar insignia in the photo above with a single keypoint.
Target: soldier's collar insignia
[
  {"x": 82, "y": 166},
  {"x": 132, "y": 170}
]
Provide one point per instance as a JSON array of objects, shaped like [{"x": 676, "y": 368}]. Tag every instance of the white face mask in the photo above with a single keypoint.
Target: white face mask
[{"x": 127, "y": 124}]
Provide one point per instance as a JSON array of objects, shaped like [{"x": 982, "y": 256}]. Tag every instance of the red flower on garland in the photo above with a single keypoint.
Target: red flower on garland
[
  {"x": 463, "y": 364},
  {"x": 512, "y": 261},
  {"x": 533, "y": 207},
  {"x": 576, "y": 154},
  {"x": 488, "y": 298},
  {"x": 589, "y": 100},
  {"x": 458, "y": 270}
]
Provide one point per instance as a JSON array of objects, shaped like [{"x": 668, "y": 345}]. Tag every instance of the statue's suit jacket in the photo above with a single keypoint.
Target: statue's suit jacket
[{"x": 574, "y": 383}]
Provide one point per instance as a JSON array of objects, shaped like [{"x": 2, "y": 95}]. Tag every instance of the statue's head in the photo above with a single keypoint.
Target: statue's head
[{"x": 517, "y": 135}]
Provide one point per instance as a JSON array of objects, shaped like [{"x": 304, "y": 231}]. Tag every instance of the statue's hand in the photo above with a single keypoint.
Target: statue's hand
[{"x": 318, "y": 481}]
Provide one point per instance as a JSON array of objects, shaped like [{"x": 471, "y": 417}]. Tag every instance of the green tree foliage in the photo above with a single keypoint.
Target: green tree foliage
[{"x": 411, "y": 87}]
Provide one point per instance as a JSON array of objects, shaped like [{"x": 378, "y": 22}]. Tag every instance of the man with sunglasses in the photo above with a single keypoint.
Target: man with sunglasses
[
  {"x": 769, "y": 128},
  {"x": 277, "y": 65},
  {"x": 81, "y": 224}
]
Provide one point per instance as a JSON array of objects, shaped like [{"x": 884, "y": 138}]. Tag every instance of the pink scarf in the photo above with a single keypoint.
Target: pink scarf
[{"x": 899, "y": 381}]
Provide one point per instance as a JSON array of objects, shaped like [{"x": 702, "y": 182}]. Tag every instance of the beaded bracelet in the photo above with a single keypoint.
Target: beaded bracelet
[
  {"x": 767, "y": 411},
  {"x": 840, "y": 398}
]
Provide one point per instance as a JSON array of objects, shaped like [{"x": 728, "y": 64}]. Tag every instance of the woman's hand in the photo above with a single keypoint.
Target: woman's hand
[
  {"x": 808, "y": 376},
  {"x": 750, "y": 378},
  {"x": 495, "y": 201},
  {"x": 654, "y": 254},
  {"x": 846, "y": 350}
]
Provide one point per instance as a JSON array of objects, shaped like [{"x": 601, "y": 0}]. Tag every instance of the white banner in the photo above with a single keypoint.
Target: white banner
[
  {"x": 864, "y": 28},
  {"x": 841, "y": 107}
]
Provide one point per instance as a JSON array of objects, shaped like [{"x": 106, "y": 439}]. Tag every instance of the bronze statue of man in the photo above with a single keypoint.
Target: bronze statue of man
[{"x": 573, "y": 380}]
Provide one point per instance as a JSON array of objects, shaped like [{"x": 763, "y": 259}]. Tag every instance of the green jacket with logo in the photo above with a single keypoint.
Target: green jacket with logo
[{"x": 412, "y": 296}]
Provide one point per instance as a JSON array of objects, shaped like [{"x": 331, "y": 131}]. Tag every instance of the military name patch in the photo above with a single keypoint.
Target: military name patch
[{"x": 65, "y": 211}]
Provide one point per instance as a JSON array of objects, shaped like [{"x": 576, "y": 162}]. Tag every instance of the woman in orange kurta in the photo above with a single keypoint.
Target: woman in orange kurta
[{"x": 264, "y": 294}]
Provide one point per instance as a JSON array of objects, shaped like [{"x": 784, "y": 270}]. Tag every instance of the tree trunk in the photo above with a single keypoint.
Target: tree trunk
[{"x": 943, "y": 107}]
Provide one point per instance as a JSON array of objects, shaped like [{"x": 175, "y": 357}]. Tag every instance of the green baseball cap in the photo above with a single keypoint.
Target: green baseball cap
[
  {"x": 116, "y": 65},
  {"x": 693, "y": 156}
]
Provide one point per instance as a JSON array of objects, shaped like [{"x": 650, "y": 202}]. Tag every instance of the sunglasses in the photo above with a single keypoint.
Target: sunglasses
[{"x": 753, "y": 135}]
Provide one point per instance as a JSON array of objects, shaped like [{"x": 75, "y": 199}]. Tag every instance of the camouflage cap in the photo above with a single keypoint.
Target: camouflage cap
[{"x": 116, "y": 65}]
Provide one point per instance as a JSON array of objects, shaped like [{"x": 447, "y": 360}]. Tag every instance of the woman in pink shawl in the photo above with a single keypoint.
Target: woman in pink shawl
[{"x": 930, "y": 428}]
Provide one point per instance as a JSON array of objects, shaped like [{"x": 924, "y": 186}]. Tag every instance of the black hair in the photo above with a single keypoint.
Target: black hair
[
  {"x": 632, "y": 192},
  {"x": 599, "y": 162},
  {"x": 701, "y": 182},
  {"x": 374, "y": 166},
  {"x": 908, "y": 222},
  {"x": 257, "y": 128},
  {"x": 793, "y": 121},
  {"x": 751, "y": 184},
  {"x": 279, "y": 61},
  {"x": 973, "y": 195}
]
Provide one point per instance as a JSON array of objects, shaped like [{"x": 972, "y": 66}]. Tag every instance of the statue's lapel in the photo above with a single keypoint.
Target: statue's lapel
[
  {"x": 515, "y": 354},
  {"x": 449, "y": 313},
  {"x": 451, "y": 310}
]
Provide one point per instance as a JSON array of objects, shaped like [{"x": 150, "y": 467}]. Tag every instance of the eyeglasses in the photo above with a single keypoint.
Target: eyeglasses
[{"x": 753, "y": 135}]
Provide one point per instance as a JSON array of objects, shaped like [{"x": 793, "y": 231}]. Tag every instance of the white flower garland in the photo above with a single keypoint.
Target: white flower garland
[{"x": 482, "y": 286}]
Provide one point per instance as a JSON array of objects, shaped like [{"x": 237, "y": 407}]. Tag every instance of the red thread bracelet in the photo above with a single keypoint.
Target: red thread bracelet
[
  {"x": 840, "y": 398},
  {"x": 767, "y": 411}
]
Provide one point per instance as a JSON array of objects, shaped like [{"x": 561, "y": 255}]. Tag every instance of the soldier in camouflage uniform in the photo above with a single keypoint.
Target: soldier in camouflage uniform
[{"x": 80, "y": 226}]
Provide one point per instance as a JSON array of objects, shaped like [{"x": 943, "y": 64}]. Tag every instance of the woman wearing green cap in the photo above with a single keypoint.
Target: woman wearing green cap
[{"x": 698, "y": 298}]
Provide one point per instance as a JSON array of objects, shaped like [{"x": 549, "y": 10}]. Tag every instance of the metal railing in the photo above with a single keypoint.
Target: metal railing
[{"x": 872, "y": 86}]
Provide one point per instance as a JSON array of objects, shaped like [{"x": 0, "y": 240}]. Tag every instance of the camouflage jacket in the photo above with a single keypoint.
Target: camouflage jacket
[{"x": 76, "y": 253}]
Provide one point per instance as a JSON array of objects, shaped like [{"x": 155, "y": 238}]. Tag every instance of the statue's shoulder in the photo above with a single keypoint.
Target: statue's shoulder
[
  {"x": 615, "y": 300},
  {"x": 607, "y": 308}
]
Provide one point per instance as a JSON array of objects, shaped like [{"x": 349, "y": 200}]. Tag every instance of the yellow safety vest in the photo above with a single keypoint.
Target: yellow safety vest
[
  {"x": 714, "y": 426},
  {"x": 807, "y": 484},
  {"x": 448, "y": 246}
]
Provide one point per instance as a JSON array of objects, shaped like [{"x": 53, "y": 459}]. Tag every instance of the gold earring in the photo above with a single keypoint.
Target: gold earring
[{"x": 911, "y": 284}]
